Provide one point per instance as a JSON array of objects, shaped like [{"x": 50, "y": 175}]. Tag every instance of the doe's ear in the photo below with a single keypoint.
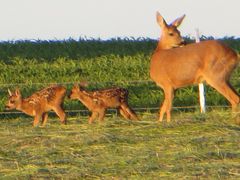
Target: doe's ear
[
  {"x": 160, "y": 20},
  {"x": 177, "y": 22}
]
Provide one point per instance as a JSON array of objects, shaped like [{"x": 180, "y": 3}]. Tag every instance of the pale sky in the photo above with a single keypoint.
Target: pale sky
[{"x": 62, "y": 19}]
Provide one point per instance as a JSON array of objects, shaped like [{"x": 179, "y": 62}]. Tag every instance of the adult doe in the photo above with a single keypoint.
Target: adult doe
[
  {"x": 173, "y": 66},
  {"x": 99, "y": 101},
  {"x": 40, "y": 103}
]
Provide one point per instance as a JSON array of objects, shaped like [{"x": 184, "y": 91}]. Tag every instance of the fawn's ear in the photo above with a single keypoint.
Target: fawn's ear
[
  {"x": 160, "y": 20},
  {"x": 81, "y": 88},
  {"x": 9, "y": 92},
  {"x": 76, "y": 86},
  {"x": 177, "y": 22},
  {"x": 83, "y": 84},
  {"x": 17, "y": 92}
]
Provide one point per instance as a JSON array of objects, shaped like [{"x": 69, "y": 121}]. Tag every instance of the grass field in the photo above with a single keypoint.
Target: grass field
[{"x": 192, "y": 146}]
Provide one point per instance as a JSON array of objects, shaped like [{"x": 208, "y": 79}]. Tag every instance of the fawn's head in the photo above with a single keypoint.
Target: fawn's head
[
  {"x": 170, "y": 35},
  {"x": 75, "y": 92},
  {"x": 14, "y": 99}
]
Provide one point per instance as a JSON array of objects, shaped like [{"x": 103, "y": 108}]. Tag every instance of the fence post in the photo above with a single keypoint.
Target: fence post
[{"x": 200, "y": 85}]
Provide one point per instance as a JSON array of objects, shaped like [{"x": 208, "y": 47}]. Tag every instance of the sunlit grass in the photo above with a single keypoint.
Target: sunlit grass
[{"x": 189, "y": 147}]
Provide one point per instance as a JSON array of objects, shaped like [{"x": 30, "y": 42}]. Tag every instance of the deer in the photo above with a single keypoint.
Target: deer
[
  {"x": 39, "y": 103},
  {"x": 99, "y": 101},
  {"x": 175, "y": 64}
]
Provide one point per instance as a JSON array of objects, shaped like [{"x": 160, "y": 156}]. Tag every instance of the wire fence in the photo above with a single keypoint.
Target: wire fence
[
  {"x": 90, "y": 82},
  {"x": 71, "y": 83},
  {"x": 143, "y": 109}
]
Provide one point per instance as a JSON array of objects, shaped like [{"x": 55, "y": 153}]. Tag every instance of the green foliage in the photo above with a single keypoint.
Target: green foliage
[
  {"x": 72, "y": 49},
  {"x": 114, "y": 62}
]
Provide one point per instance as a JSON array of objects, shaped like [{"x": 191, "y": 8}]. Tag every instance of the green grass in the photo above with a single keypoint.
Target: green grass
[
  {"x": 115, "y": 62},
  {"x": 192, "y": 146}
]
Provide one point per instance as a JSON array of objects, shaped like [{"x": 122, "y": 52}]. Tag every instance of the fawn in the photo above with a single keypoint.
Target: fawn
[
  {"x": 99, "y": 101},
  {"x": 40, "y": 103},
  {"x": 173, "y": 66}
]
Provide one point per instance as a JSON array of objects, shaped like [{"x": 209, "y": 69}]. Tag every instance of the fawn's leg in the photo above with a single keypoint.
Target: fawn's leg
[
  {"x": 102, "y": 113},
  {"x": 93, "y": 117},
  {"x": 36, "y": 120},
  {"x": 123, "y": 113},
  {"x": 44, "y": 118},
  {"x": 129, "y": 113},
  {"x": 61, "y": 114}
]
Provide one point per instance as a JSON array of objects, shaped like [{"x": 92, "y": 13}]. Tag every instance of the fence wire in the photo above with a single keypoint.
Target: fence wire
[
  {"x": 88, "y": 82},
  {"x": 71, "y": 83},
  {"x": 95, "y": 83},
  {"x": 140, "y": 109}
]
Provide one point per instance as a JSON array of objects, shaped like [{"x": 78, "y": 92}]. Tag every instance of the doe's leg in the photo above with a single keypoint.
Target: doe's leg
[
  {"x": 227, "y": 91},
  {"x": 167, "y": 104}
]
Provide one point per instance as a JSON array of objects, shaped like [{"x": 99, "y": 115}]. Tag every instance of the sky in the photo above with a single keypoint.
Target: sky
[{"x": 106, "y": 19}]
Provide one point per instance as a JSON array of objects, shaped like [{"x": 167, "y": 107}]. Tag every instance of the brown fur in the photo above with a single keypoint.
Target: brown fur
[
  {"x": 40, "y": 103},
  {"x": 99, "y": 101},
  {"x": 209, "y": 61}
]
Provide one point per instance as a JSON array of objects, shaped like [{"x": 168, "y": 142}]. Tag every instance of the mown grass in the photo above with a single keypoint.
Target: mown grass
[{"x": 190, "y": 147}]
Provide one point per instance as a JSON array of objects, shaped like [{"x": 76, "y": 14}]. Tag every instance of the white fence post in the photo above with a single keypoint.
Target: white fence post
[{"x": 200, "y": 85}]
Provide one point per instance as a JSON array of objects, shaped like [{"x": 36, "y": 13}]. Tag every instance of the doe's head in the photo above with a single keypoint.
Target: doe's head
[{"x": 170, "y": 36}]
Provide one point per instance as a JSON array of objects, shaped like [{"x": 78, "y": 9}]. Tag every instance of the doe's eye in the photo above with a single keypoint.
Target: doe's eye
[
  {"x": 171, "y": 34},
  {"x": 12, "y": 102}
]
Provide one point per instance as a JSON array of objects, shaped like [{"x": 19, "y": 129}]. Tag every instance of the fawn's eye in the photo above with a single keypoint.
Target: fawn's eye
[
  {"x": 12, "y": 102},
  {"x": 171, "y": 34}
]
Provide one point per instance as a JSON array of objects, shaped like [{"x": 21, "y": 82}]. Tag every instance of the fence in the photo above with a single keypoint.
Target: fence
[{"x": 138, "y": 109}]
